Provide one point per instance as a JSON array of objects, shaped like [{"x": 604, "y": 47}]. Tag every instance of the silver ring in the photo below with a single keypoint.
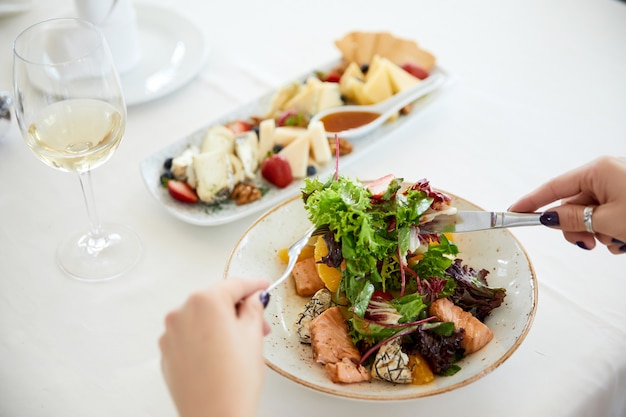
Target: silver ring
[{"x": 587, "y": 213}]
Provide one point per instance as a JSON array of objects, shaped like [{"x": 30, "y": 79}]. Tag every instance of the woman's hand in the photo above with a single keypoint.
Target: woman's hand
[
  {"x": 212, "y": 350},
  {"x": 600, "y": 184}
]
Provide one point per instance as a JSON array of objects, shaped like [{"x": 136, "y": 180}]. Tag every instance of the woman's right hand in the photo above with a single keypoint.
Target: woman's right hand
[
  {"x": 600, "y": 184},
  {"x": 212, "y": 350}
]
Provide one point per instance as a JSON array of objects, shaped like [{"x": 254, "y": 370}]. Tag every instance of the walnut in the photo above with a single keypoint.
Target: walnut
[
  {"x": 407, "y": 109},
  {"x": 345, "y": 147},
  {"x": 244, "y": 193}
]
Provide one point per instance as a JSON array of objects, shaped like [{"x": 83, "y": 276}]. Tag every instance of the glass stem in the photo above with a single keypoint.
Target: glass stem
[{"x": 94, "y": 241}]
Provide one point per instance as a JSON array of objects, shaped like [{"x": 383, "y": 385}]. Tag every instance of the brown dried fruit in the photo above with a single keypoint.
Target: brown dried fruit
[{"x": 407, "y": 109}]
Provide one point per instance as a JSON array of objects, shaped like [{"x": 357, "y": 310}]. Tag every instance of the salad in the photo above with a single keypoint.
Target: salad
[{"x": 389, "y": 303}]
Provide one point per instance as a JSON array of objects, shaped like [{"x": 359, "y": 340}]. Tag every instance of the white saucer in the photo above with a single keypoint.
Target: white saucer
[
  {"x": 173, "y": 51},
  {"x": 9, "y": 7}
]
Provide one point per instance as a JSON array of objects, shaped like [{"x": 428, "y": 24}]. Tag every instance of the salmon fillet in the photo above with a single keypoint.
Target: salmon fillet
[
  {"x": 305, "y": 275},
  {"x": 347, "y": 371},
  {"x": 330, "y": 339},
  {"x": 477, "y": 334}
]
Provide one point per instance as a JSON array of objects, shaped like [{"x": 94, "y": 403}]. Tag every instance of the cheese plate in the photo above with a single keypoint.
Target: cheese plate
[{"x": 202, "y": 214}]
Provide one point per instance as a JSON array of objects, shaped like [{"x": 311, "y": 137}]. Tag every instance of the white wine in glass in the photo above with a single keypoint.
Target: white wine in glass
[{"x": 71, "y": 111}]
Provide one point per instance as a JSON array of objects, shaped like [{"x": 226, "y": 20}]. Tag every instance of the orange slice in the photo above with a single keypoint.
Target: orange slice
[
  {"x": 421, "y": 371},
  {"x": 330, "y": 276},
  {"x": 307, "y": 252}
]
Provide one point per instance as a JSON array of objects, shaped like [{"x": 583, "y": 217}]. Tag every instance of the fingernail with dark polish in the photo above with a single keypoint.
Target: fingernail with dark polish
[
  {"x": 265, "y": 298},
  {"x": 549, "y": 218},
  {"x": 582, "y": 245},
  {"x": 616, "y": 241},
  {"x": 622, "y": 248}
]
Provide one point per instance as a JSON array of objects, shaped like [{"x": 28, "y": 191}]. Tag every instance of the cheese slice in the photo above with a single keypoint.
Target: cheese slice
[
  {"x": 237, "y": 171},
  {"x": 306, "y": 98},
  {"x": 351, "y": 77},
  {"x": 284, "y": 135},
  {"x": 319, "y": 143},
  {"x": 377, "y": 86},
  {"x": 350, "y": 88},
  {"x": 329, "y": 96},
  {"x": 218, "y": 138},
  {"x": 314, "y": 96},
  {"x": 282, "y": 96},
  {"x": 373, "y": 67},
  {"x": 247, "y": 149},
  {"x": 213, "y": 175},
  {"x": 266, "y": 137},
  {"x": 360, "y": 97},
  {"x": 297, "y": 153},
  {"x": 400, "y": 80},
  {"x": 353, "y": 70},
  {"x": 182, "y": 165}
]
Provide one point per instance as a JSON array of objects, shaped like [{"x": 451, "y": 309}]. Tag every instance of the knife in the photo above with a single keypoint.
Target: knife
[{"x": 469, "y": 221}]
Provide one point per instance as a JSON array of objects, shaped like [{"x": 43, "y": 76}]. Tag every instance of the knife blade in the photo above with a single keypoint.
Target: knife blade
[{"x": 470, "y": 221}]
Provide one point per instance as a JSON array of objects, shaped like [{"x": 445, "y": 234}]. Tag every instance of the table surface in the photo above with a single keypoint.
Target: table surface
[{"x": 540, "y": 88}]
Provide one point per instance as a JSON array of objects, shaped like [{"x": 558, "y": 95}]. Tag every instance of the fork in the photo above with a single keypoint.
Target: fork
[{"x": 293, "y": 252}]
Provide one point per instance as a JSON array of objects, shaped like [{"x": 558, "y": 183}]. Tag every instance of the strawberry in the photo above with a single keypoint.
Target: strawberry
[
  {"x": 182, "y": 191},
  {"x": 276, "y": 169},
  {"x": 333, "y": 77},
  {"x": 239, "y": 126},
  {"x": 379, "y": 187},
  {"x": 415, "y": 70}
]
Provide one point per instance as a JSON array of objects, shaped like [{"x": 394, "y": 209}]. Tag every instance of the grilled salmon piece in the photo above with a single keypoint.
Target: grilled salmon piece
[
  {"x": 477, "y": 334},
  {"x": 330, "y": 339},
  {"x": 305, "y": 275},
  {"x": 347, "y": 372}
]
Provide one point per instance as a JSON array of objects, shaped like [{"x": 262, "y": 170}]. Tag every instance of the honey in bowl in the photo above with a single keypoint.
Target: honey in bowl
[{"x": 345, "y": 120}]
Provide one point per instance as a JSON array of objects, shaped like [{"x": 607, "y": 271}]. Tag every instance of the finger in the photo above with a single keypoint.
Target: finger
[
  {"x": 617, "y": 250},
  {"x": 566, "y": 185},
  {"x": 607, "y": 220},
  {"x": 571, "y": 218},
  {"x": 583, "y": 240},
  {"x": 162, "y": 342},
  {"x": 527, "y": 203},
  {"x": 581, "y": 199},
  {"x": 251, "y": 312},
  {"x": 605, "y": 239},
  {"x": 170, "y": 319},
  {"x": 238, "y": 289}
]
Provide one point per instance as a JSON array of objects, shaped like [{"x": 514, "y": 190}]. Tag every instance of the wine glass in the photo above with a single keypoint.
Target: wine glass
[{"x": 70, "y": 109}]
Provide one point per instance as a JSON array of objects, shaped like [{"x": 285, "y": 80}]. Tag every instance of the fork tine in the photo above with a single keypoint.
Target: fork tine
[{"x": 293, "y": 252}]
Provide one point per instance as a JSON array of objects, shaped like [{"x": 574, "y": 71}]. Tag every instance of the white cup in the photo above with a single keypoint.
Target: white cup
[{"x": 118, "y": 21}]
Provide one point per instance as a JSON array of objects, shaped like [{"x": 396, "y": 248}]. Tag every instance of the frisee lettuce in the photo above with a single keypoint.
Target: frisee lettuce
[{"x": 374, "y": 235}]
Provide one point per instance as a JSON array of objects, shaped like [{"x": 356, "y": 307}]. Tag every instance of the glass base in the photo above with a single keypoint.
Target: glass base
[{"x": 110, "y": 255}]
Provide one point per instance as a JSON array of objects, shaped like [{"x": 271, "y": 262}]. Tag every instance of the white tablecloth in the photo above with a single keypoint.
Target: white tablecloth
[{"x": 540, "y": 88}]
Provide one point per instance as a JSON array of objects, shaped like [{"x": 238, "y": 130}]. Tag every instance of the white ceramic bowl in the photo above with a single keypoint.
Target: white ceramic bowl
[{"x": 497, "y": 251}]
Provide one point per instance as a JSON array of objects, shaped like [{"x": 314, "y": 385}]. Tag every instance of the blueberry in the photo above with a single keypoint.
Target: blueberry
[
  {"x": 277, "y": 148},
  {"x": 310, "y": 171},
  {"x": 365, "y": 68},
  {"x": 166, "y": 176},
  {"x": 256, "y": 130},
  {"x": 168, "y": 164}
]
